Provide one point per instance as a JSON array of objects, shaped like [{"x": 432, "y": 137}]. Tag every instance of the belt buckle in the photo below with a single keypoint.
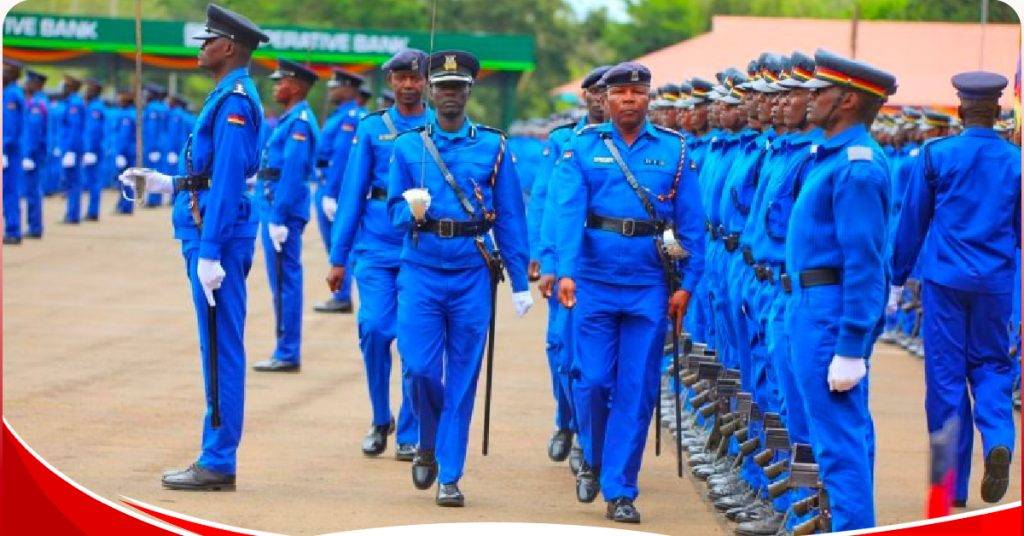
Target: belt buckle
[
  {"x": 628, "y": 227},
  {"x": 446, "y": 228}
]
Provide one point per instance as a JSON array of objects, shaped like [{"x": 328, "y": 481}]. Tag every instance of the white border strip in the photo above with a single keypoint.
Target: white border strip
[{"x": 196, "y": 520}]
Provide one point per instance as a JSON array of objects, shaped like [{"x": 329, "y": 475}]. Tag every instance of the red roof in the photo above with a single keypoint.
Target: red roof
[{"x": 922, "y": 55}]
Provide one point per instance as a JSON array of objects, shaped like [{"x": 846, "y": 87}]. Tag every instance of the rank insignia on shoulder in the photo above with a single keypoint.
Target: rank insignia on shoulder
[
  {"x": 298, "y": 136},
  {"x": 858, "y": 152},
  {"x": 236, "y": 119},
  {"x": 352, "y": 113},
  {"x": 603, "y": 160},
  {"x": 303, "y": 115}
]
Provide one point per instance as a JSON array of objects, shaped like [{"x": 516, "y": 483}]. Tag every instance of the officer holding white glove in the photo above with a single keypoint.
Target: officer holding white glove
[
  {"x": 330, "y": 206},
  {"x": 419, "y": 202},
  {"x": 120, "y": 161},
  {"x": 89, "y": 159},
  {"x": 154, "y": 157},
  {"x": 172, "y": 159},
  {"x": 69, "y": 160},
  {"x": 211, "y": 275},
  {"x": 278, "y": 235},
  {"x": 523, "y": 301},
  {"x": 28, "y": 164},
  {"x": 844, "y": 373},
  {"x": 156, "y": 182}
]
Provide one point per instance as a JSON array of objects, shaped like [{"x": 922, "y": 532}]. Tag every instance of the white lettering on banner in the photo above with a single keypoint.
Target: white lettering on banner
[
  {"x": 379, "y": 43},
  {"x": 20, "y": 26},
  {"x": 82, "y": 30}
]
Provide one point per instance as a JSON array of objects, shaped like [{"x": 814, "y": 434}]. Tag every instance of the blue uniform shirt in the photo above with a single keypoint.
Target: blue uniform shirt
[
  {"x": 588, "y": 180},
  {"x": 72, "y": 125},
  {"x": 14, "y": 115},
  {"x": 223, "y": 145},
  {"x": 723, "y": 152},
  {"x": 368, "y": 166},
  {"x": 154, "y": 130},
  {"x": 839, "y": 221},
  {"x": 541, "y": 242},
  {"x": 291, "y": 151},
  {"x": 741, "y": 180},
  {"x": 963, "y": 204},
  {"x": 528, "y": 155},
  {"x": 33, "y": 135},
  {"x": 349, "y": 115},
  {"x": 470, "y": 155},
  {"x": 124, "y": 133},
  {"x": 92, "y": 137},
  {"x": 54, "y": 124}
]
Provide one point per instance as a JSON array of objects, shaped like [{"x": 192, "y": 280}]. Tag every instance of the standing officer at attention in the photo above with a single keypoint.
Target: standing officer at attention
[
  {"x": 288, "y": 161},
  {"x": 14, "y": 114},
  {"x": 629, "y": 214},
  {"x": 70, "y": 144},
  {"x": 836, "y": 256},
  {"x": 363, "y": 226},
  {"x": 92, "y": 147},
  {"x": 450, "y": 184},
  {"x": 339, "y": 129},
  {"x": 33, "y": 156},
  {"x": 963, "y": 205},
  {"x": 154, "y": 134},
  {"x": 216, "y": 224}
]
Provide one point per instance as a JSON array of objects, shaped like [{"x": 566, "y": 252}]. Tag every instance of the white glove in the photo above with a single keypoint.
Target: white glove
[
  {"x": 895, "y": 292},
  {"x": 89, "y": 159},
  {"x": 154, "y": 156},
  {"x": 69, "y": 160},
  {"x": 419, "y": 202},
  {"x": 26, "y": 163},
  {"x": 156, "y": 182},
  {"x": 120, "y": 161},
  {"x": 330, "y": 206},
  {"x": 5, "y": 161},
  {"x": 278, "y": 235},
  {"x": 250, "y": 181},
  {"x": 844, "y": 373},
  {"x": 523, "y": 301},
  {"x": 172, "y": 158},
  {"x": 211, "y": 275}
]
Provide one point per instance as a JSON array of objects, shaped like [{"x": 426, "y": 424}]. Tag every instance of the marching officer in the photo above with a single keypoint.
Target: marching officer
[
  {"x": 629, "y": 212},
  {"x": 33, "y": 157},
  {"x": 962, "y": 205},
  {"x": 363, "y": 227},
  {"x": 289, "y": 159},
  {"x": 14, "y": 114},
  {"x": 835, "y": 255},
  {"x": 70, "y": 144},
  {"x": 92, "y": 147},
  {"x": 339, "y": 129},
  {"x": 450, "y": 184},
  {"x": 216, "y": 224}
]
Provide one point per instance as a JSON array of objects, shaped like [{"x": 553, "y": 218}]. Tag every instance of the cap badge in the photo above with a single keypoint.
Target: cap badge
[
  {"x": 414, "y": 65},
  {"x": 450, "y": 63},
  {"x": 634, "y": 75}
]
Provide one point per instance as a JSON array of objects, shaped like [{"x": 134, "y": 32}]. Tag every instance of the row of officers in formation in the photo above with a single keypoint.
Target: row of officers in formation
[{"x": 758, "y": 229}]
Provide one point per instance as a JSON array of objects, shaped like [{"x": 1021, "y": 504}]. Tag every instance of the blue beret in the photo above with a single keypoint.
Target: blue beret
[
  {"x": 341, "y": 77},
  {"x": 452, "y": 65},
  {"x": 979, "y": 85},
  {"x": 834, "y": 70},
  {"x": 35, "y": 76},
  {"x": 293, "y": 69},
  {"x": 627, "y": 72},
  {"x": 222, "y": 22},
  {"x": 410, "y": 59},
  {"x": 594, "y": 76}
]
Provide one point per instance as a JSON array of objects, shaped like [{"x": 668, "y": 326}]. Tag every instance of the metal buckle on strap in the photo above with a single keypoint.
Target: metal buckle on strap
[
  {"x": 628, "y": 227},
  {"x": 446, "y": 228}
]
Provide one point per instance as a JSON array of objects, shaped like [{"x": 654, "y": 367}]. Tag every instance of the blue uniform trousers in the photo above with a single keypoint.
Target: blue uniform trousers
[
  {"x": 12, "y": 199},
  {"x": 378, "y": 309},
  {"x": 286, "y": 289},
  {"x": 966, "y": 345},
  {"x": 53, "y": 182},
  {"x": 559, "y": 361},
  {"x": 91, "y": 179},
  {"x": 719, "y": 298},
  {"x": 123, "y": 205},
  {"x": 344, "y": 292},
  {"x": 620, "y": 334},
  {"x": 220, "y": 444},
  {"x": 73, "y": 181},
  {"x": 32, "y": 191},
  {"x": 442, "y": 328},
  {"x": 840, "y": 425}
]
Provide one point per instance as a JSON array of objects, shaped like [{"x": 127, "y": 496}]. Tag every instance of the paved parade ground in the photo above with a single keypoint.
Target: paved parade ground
[{"x": 101, "y": 378}]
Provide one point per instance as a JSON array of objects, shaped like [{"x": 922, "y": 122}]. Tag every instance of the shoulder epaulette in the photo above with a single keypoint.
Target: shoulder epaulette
[
  {"x": 667, "y": 130},
  {"x": 240, "y": 89},
  {"x": 914, "y": 152},
  {"x": 413, "y": 129},
  {"x": 497, "y": 131},
  {"x": 560, "y": 127},
  {"x": 589, "y": 128},
  {"x": 303, "y": 116},
  {"x": 859, "y": 152},
  {"x": 374, "y": 113}
]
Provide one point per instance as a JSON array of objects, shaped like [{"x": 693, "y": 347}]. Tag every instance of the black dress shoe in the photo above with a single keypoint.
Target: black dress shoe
[
  {"x": 196, "y": 478},
  {"x": 334, "y": 306},
  {"x": 405, "y": 453},
  {"x": 34, "y": 236},
  {"x": 997, "y": 475},
  {"x": 449, "y": 495},
  {"x": 424, "y": 469},
  {"x": 587, "y": 484},
  {"x": 92, "y": 218},
  {"x": 960, "y": 503},
  {"x": 276, "y": 365},
  {"x": 559, "y": 445},
  {"x": 622, "y": 510},
  {"x": 376, "y": 440},
  {"x": 12, "y": 240},
  {"x": 575, "y": 459}
]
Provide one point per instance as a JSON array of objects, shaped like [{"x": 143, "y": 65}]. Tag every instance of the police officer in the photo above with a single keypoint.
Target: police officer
[
  {"x": 33, "y": 161},
  {"x": 835, "y": 255},
  {"x": 213, "y": 219},
  {"x": 123, "y": 145},
  {"x": 621, "y": 187},
  {"x": 450, "y": 183},
  {"x": 92, "y": 147},
  {"x": 363, "y": 227},
  {"x": 70, "y": 144},
  {"x": 154, "y": 134},
  {"x": 288, "y": 161},
  {"x": 339, "y": 129},
  {"x": 14, "y": 114},
  {"x": 963, "y": 206}
]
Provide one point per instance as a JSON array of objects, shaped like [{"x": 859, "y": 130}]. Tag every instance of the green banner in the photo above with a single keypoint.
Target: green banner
[{"x": 317, "y": 45}]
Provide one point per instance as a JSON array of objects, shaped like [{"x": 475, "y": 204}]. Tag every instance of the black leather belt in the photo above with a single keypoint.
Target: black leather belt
[
  {"x": 447, "y": 228},
  {"x": 764, "y": 273},
  {"x": 748, "y": 256},
  {"x": 192, "y": 184},
  {"x": 378, "y": 194},
  {"x": 269, "y": 174},
  {"x": 732, "y": 241},
  {"x": 819, "y": 277},
  {"x": 787, "y": 283},
  {"x": 625, "y": 227}
]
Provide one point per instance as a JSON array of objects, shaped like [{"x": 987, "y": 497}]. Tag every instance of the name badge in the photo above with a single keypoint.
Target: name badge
[{"x": 603, "y": 160}]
